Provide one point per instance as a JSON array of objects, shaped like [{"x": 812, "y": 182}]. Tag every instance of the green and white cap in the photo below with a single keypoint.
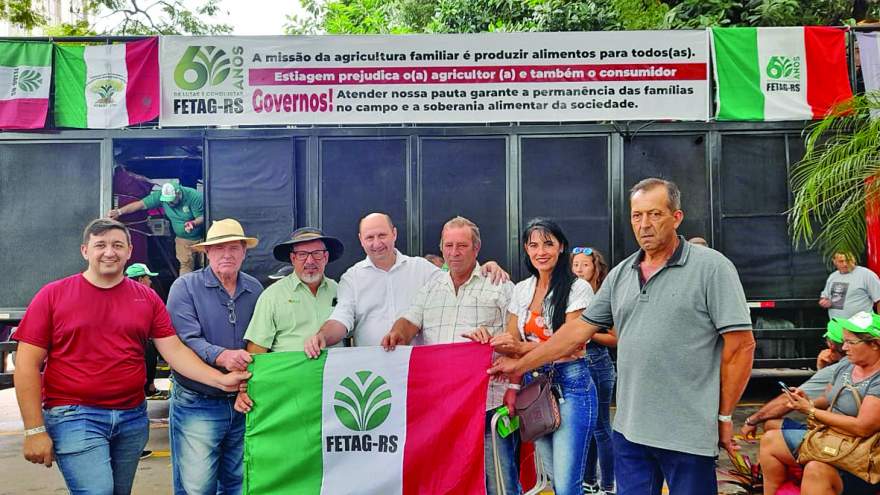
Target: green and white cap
[
  {"x": 862, "y": 322},
  {"x": 138, "y": 270},
  {"x": 835, "y": 331},
  {"x": 169, "y": 192}
]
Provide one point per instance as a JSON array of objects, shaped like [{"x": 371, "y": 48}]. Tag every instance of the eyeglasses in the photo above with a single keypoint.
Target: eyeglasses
[
  {"x": 230, "y": 308},
  {"x": 855, "y": 342},
  {"x": 304, "y": 255},
  {"x": 582, "y": 250}
]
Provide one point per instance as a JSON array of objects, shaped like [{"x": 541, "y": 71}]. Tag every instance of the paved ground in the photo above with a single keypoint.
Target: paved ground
[{"x": 154, "y": 473}]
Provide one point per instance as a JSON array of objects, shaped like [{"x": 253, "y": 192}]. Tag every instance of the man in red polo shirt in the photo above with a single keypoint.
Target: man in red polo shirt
[{"x": 91, "y": 330}]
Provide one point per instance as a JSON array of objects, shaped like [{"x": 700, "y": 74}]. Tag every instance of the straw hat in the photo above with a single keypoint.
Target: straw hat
[{"x": 226, "y": 230}]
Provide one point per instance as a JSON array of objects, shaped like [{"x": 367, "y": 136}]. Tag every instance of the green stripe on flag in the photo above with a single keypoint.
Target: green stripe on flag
[
  {"x": 275, "y": 453},
  {"x": 70, "y": 86},
  {"x": 737, "y": 74},
  {"x": 15, "y": 54}
]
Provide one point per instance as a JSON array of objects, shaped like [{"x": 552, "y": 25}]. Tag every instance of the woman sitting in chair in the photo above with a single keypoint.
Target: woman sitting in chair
[{"x": 779, "y": 448}]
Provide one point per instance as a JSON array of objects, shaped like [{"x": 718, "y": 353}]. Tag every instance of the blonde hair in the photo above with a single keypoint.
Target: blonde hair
[{"x": 850, "y": 258}]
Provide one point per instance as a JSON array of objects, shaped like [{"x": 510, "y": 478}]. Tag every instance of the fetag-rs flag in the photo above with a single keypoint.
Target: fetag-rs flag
[
  {"x": 25, "y": 72},
  {"x": 363, "y": 420},
  {"x": 790, "y": 73},
  {"x": 106, "y": 86}
]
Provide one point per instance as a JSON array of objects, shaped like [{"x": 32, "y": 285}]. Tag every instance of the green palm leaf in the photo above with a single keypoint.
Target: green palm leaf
[{"x": 830, "y": 185}]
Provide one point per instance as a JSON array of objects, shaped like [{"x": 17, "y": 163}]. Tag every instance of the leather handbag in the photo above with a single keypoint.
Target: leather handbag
[
  {"x": 538, "y": 409},
  {"x": 856, "y": 455}
]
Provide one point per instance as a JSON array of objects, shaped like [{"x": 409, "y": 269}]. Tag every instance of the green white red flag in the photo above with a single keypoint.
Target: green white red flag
[
  {"x": 106, "y": 86},
  {"x": 25, "y": 76},
  {"x": 363, "y": 420},
  {"x": 790, "y": 73}
]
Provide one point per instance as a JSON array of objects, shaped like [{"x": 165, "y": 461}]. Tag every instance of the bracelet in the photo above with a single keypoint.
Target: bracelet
[
  {"x": 514, "y": 386},
  {"x": 811, "y": 416},
  {"x": 35, "y": 431},
  {"x": 725, "y": 418}
]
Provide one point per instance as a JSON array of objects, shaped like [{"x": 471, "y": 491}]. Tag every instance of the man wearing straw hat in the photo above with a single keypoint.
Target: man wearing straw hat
[{"x": 211, "y": 309}]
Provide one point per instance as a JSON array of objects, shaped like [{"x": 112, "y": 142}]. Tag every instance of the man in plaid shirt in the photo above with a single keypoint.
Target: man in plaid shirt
[{"x": 452, "y": 304}]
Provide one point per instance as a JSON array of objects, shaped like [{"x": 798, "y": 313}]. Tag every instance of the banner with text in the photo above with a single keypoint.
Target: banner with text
[{"x": 488, "y": 77}]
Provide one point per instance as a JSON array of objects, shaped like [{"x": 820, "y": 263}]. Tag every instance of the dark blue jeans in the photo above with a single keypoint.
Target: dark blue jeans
[
  {"x": 601, "y": 448},
  {"x": 207, "y": 444},
  {"x": 641, "y": 470},
  {"x": 564, "y": 452},
  {"x": 98, "y": 449}
]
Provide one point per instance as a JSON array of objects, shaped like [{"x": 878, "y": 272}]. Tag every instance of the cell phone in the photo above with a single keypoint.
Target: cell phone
[{"x": 786, "y": 390}]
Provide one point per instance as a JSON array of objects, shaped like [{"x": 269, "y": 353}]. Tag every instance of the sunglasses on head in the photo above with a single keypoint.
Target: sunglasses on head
[{"x": 582, "y": 250}]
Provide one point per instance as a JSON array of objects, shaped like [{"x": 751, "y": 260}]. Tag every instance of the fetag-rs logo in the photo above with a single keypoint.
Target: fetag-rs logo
[
  {"x": 783, "y": 74},
  {"x": 362, "y": 402}
]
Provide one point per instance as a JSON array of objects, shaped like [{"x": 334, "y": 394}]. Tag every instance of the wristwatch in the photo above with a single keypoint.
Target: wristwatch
[{"x": 725, "y": 418}]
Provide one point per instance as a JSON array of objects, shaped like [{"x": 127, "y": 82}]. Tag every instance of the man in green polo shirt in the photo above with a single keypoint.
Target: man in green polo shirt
[
  {"x": 293, "y": 309},
  {"x": 184, "y": 208}
]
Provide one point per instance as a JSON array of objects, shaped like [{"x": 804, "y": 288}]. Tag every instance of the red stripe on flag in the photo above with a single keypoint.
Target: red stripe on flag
[
  {"x": 23, "y": 113},
  {"x": 445, "y": 419},
  {"x": 142, "y": 91},
  {"x": 827, "y": 73}
]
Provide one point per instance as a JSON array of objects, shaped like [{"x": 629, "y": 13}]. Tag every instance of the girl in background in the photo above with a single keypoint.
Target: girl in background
[{"x": 588, "y": 264}]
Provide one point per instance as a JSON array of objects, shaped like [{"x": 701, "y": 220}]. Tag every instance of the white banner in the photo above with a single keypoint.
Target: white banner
[{"x": 488, "y": 77}]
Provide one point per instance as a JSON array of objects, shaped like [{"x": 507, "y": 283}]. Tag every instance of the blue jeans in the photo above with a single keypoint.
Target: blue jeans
[
  {"x": 564, "y": 452},
  {"x": 601, "y": 448},
  {"x": 97, "y": 449},
  {"x": 508, "y": 453},
  {"x": 207, "y": 443},
  {"x": 641, "y": 469}
]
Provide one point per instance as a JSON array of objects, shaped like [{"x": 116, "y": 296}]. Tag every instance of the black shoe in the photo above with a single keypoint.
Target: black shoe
[{"x": 146, "y": 453}]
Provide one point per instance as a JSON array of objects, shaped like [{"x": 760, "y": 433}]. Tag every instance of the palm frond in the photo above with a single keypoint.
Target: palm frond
[{"x": 834, "y": 178}]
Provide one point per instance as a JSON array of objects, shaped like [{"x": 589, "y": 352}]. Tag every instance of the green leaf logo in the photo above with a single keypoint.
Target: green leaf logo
[
  {"x": 780, "y": 67},
  {"x": 363, "y": 401},
  {"x": 29, "y": 80},
  {"x": 202, "y": 65}
]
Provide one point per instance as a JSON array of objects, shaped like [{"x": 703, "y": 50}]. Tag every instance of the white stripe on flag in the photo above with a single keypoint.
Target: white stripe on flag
[
  {"x": 869, "y": 56},
  {"x": 106, "y": 81},
  {"x": 354, "y": 456},
  {"x": 30, "y": 82},
  {"x": 780, "y": 102}
]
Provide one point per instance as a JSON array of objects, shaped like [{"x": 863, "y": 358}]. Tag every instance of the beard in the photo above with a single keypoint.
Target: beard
[{"x": 311, "y": 278}]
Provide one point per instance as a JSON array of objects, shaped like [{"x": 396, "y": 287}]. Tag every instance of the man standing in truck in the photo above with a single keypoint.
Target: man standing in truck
[{"x": 184, "y": 208}]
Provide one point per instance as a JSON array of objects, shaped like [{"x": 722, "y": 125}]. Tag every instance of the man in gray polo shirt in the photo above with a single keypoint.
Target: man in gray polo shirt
[{"x": 685, "y": 350}]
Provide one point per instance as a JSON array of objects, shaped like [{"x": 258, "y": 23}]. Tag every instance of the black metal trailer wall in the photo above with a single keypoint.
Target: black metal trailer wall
[{"x": 733, "y": 177}]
